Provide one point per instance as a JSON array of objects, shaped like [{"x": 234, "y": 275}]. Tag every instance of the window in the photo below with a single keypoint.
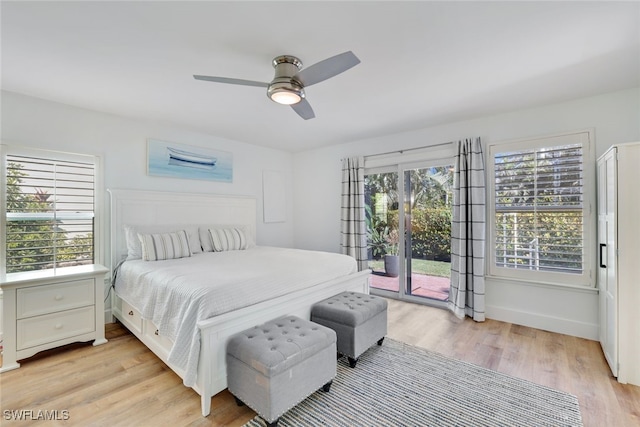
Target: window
[
  {"x": 542, "y": 224},
  {"x": 49, "y": 210}
]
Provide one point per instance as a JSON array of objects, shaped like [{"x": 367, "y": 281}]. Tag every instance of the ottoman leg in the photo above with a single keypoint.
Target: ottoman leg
[
  {"x": 327, "y": 386},
  {"x": 352, "y": 362},
  {"x": 272, "y": 424},
  {"x": 380, "y": 341},
  {"x": 238, "y": 401}
]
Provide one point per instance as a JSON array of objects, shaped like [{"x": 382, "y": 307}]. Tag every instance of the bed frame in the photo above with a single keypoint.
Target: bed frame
[{"x": 134, "y": 207}]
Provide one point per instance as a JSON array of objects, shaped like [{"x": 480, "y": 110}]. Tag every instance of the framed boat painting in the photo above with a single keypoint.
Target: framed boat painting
[{"x": 186, "y": 161}]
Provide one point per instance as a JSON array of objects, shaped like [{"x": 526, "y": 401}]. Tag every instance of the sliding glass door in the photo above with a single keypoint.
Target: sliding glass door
[
  {"x": 409, "y": 231},
  {"x": 427, "y": 219},
  {"x": 382, "y": 214}
]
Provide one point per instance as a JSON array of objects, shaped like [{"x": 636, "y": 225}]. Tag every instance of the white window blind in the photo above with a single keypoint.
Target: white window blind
[
  {"x": 539, "y": 209},
  {"x": 50, "y": 210}
]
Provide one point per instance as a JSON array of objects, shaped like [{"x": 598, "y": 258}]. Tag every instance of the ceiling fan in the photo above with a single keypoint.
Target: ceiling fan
[{"x": 287, "y": 87}]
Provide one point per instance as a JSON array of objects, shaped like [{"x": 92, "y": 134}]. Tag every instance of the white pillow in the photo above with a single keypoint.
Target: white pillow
[
  {"x": 205, "y": 237},
  {"x": 134, "y": 249},
  {"x": 227, "y": 239},
  {"x": 157, "y": 247}
]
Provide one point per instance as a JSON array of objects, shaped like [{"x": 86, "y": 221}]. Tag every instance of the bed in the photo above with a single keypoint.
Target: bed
[{"x": 187, "y": 326}]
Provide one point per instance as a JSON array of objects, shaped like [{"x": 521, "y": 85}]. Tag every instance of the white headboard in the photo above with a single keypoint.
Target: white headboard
[{"x": 136, "y": 207}]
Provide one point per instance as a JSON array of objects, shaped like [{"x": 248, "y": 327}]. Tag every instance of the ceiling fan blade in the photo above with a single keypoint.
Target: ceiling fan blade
[
  {"x": 304, "y": 110},
  {"x": 327, "y": 68},
  {"x": 231, "y": 81}
]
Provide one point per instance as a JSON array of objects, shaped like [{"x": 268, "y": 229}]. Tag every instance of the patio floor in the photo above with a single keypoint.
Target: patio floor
[{"x": 422, "y": 285}]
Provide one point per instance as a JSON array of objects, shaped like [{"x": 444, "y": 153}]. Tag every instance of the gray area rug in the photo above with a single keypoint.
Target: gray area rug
[{"x": 398, "y": 384}]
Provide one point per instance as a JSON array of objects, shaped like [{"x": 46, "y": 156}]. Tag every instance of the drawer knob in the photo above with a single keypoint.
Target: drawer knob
[
  {"x": 131, "y": 313},
  {"x": 156, "y": 332},
  {"x": 58, "y": 297},
  {"x": 58, "y": 326}
]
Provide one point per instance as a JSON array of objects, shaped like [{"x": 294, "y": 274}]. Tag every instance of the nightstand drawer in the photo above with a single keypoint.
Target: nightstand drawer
[
  {"x": 37, "y": 300},
  {"x": 52, "y": 327}
]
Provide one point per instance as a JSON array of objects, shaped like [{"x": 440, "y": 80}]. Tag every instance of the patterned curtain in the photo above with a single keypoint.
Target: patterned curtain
[
  {"x": 466, "y": 296},
  {"x": 353, "y": 231}
]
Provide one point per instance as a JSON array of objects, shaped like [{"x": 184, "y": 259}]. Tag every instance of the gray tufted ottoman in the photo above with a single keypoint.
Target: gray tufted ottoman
[
  {"x": 359, "y": 320},
  {"x": 276, "y": 365}
]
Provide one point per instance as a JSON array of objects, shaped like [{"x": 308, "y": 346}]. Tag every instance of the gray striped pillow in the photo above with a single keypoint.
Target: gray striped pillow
[
  {"x": 161, "y": 246},
  {"x": 227, "y": 239}
]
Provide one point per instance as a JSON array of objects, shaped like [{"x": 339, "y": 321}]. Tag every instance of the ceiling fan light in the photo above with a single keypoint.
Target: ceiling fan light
[
  {"x": 285, "y": 97},
  {"x": 285, "y": 91}
]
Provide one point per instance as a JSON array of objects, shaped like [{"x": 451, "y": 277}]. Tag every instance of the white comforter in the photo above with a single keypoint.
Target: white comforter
[{"x": 176, "y": 294}]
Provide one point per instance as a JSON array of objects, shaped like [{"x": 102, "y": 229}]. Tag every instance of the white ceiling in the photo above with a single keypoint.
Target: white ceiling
[{"x": 423, "y": 63}]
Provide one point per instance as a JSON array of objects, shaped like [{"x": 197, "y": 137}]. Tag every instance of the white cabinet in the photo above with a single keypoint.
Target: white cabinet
[
  {"x": 607, "y": 240},
  {"x": 619, "y": 259},
  {"x": 49, "y": 308}
]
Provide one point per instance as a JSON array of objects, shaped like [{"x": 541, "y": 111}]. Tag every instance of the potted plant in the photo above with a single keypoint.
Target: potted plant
[
  {"x": 376, "y": 238},
  {"x": 391, "y": 259}
]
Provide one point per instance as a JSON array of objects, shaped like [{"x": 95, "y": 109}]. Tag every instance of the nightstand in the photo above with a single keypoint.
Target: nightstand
[{"x": 48, "y": 308}]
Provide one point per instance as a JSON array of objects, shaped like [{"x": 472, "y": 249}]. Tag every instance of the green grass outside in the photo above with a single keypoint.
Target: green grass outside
[{"x": 420, "y": 266}]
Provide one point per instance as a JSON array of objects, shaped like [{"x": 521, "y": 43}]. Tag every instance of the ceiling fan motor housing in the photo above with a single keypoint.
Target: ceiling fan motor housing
[{"x": 286, "y": 66}]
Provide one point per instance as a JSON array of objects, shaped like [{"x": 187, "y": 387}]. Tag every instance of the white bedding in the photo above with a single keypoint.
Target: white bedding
[{"x": 176, "y": 294}]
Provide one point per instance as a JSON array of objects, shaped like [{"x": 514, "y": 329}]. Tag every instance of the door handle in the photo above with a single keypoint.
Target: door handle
[{"x": 602, "y": 245}]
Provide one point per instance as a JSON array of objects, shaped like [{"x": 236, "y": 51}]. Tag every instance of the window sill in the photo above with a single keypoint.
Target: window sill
[{"x": 548, "y": 285}]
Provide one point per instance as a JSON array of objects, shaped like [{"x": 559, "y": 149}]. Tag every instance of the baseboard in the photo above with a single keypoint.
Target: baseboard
[
  {"x": 547, "y": 323},
  {"x": 108, "y": 316}
]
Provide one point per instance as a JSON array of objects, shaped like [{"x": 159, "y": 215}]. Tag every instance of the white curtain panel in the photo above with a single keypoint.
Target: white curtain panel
[
  {"x": 466, "y": 296},
  {"x": 353, "y": 239}
]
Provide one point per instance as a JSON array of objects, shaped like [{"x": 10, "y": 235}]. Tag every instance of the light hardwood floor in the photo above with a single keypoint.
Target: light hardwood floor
[{"x": 123, "y": 383}]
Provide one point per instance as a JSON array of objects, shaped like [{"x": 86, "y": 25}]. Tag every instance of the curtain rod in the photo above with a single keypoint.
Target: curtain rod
[{"x": 409, "y": 149}]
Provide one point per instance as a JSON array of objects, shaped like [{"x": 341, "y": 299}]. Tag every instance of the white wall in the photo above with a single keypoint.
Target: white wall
[
  {"x": 615, "y": 118},
  {"x": 122, "y": 144}
]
